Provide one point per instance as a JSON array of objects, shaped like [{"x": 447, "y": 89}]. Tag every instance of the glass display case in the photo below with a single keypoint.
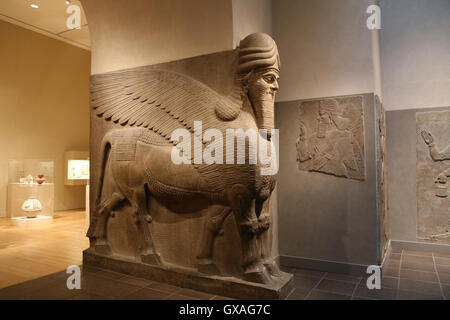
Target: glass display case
[
  {"x": 76, "y": 168},
  {"x": 30, "y": 180}
]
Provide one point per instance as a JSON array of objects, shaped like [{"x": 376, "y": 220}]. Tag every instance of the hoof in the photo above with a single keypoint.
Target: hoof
[
  {"x": 258, "y": 274},
  {"x": 208, "y": 267},
  {"x": 272, "y": 268},
  {"x": 151, "y": 258}
]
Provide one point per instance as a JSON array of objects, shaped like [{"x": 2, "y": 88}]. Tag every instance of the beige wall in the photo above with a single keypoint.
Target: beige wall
[
  {"x": 44, "y": 103},
  {"x": 251, "y": 16},
  {"x": 325, "y": 47},
  {"x": 126, "y": 34}
]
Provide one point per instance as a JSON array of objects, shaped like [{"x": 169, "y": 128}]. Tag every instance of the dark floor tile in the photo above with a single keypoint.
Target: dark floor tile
[
  {"x": 378, "y": 294},
  {"x": 176, "y": 296},
  {"x": 136, "y": 281},
  {"x": 394, "y": 257},
  {"x": 147, "y": 294},
  {"x": 418, "y": 259},
  {"x": 391, "y": 272},
  {"x": 361, "y": 298},
  {"x": 410, "y": 295},
  {"x": 110, "y": 275},
  {"x": 307, "y": 273},
  {"x": 418, "y": 275},
  {"x": 19, "y": 291},
  {"x": 444, "y": 277},
  {"x": 164, "y": 287},
  {"x": 299, "y": 294},
  {"x": 446, "y": 290},
  {"x": 321, "y": 295},
  {"x": 339, "y": 287},
  {"x": 442, "y": 261},
  {"x": 343, "y": 277},
  {"x": 195, "y": 294},
  {"x": 221, "y": 298},
  {"x": 420, "y": 266},
  {"x": 429, "y": 288},
  {"x": 441, "y": 255},
  {"x": 392, "y": 264},
  {"x": 442, "y": 268},
  {"x": 417, "y": 253},
  {"x": 89, "y": 296},
  {"x": 305, "y": 282},
  {"x": 58, "y": 291},
  {"x": 107, "y": 287},
  {"x": 389, "y": 282}
]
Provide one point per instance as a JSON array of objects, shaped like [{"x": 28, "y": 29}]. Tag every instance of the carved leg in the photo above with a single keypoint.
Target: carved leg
[
  {"x": 142, "y": 220},
  {"x": 265, "y": 238},
  {"x": 104, "y": 211},
  {"x": 243, "y": 207},
  {"x": 213, "y": 226}
]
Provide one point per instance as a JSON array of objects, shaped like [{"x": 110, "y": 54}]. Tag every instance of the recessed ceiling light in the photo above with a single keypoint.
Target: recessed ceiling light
[
  {"x": 67, "y": 2},
  {"x": 34, "y": 6}
]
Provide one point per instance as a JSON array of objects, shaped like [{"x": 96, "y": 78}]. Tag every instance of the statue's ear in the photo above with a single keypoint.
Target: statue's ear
[{"x": 227, "y": 111}]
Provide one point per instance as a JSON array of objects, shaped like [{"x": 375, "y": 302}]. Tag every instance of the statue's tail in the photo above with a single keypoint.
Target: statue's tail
[{"x": 105, "y": 149}]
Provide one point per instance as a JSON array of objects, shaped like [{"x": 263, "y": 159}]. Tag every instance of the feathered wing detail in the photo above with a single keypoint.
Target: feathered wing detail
[
  {"x": 164, "y": 101},
  {"x": 161, "y": 101}
]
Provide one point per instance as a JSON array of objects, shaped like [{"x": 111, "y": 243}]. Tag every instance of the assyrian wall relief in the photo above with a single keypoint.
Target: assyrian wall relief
[
  {"x": 433, "y": 173},
  {"x": 331, "y": 138}
]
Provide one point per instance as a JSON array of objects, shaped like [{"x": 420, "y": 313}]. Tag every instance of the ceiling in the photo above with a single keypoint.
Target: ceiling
[{"x": 49, "y": 19}]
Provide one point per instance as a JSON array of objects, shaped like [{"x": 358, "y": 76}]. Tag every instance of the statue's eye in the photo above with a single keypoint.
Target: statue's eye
[{"x": 269, "y": 78}]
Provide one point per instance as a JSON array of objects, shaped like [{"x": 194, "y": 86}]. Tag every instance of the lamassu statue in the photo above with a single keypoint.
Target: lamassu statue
[{"x": 136, "y": 164}]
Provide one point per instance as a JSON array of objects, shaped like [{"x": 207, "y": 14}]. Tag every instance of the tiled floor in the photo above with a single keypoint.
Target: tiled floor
[{"x": 407, "y": 275}]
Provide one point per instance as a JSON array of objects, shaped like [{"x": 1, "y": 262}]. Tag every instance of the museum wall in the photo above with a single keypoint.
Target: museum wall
[
  {"x": 415, "y": 46},
  {"x": 44, "y": 98},
  {"x": 326, "y": 222},
  {"x": 126, "y": 34},
  {"x": 251, "y": 16},
  {"x": 325, "y": 48},
  {"x": 403, "y": 143}
]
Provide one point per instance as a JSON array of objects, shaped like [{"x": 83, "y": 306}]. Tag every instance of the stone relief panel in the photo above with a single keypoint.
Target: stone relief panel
[
  {"x": 433, "y": 173},
  {"x": 198, "y": 219},
  {"x": 331, "y": 138}
]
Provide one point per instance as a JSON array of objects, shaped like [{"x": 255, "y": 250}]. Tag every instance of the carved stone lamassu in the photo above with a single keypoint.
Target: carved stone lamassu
[
  {"x": 433, "y": 173},
  {"x": 139, "y": 179},
  {"x": 331, "y": 138}
]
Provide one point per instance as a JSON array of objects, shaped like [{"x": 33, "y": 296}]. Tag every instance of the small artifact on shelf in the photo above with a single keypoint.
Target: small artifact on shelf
[
  {"x": 29, "y": 179},
  {"x": 40, "y": 179},
  {"x": 31, "y": 207}
]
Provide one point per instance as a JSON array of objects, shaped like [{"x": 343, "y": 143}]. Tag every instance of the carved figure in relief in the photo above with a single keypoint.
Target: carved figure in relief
[
  {"x": 331, "y": 147},
  {"x": 136, "y": 160},
  {"x": 438, "y": 156}
]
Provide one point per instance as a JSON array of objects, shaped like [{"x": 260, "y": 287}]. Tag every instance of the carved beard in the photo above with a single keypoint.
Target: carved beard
[{"x": 263, "y": 105}]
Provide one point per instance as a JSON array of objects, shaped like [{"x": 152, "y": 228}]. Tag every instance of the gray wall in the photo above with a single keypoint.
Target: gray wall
[
  {"x": 401, "y": 159},
  {"x": 323, "y": 217},
  {"x": 415, "y": 53}
]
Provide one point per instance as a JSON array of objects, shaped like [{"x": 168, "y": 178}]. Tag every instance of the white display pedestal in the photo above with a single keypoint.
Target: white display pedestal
[
  {"x": 31, "y": 222},
  {"x": 19, "y": 192}
]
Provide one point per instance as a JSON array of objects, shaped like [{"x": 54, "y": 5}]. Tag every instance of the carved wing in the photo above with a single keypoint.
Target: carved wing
[{"x": 161, "y": 101}]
